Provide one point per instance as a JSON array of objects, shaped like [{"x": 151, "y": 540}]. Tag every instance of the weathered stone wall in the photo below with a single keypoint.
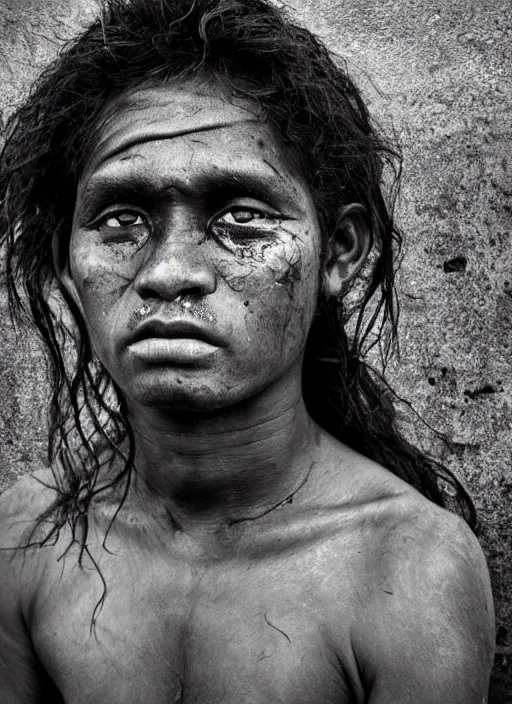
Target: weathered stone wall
[{"x": 440, "y": 72}]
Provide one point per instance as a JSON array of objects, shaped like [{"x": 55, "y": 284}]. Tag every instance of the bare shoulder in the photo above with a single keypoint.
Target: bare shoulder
[
  {"x": 422, "y": 616},
  {"x": 21, "y": 677},
  {"x": 417, "y": 547},
  {"x": 429, "y": 611},
  {"x": 22, "y": 522},
  {"x": 407, "y": 529},
  {"x": 23, "y": 503},
  {"x": 426, "y": 547}
]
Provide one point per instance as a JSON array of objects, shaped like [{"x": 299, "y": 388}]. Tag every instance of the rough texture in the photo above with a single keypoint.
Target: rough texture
[{"x": 440, "y": 74}]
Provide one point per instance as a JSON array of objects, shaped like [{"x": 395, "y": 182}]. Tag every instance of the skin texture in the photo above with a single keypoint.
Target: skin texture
[
  {"x": 256, "y": 559},
  {"x": 191, "y": 245}
]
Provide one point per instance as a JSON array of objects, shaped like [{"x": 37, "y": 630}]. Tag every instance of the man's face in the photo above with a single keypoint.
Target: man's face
[{"x": 194, "y": 254}]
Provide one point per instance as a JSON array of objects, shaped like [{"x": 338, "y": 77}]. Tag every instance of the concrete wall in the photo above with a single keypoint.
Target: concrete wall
[{"x": 440, "y": 73}]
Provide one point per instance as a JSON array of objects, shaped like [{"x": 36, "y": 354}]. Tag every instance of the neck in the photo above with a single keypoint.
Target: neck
[{"x": 210, "y": 470}]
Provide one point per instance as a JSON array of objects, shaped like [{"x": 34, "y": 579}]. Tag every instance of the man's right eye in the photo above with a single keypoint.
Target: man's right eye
[
  {"x": 120, "y": 226},
  {"x": 125, "y": 218}
]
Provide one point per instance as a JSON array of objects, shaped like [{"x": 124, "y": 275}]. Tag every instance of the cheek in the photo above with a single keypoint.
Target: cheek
[
  {"x": 99, "y": 282},
  {"x": 296, "y": 275},
  {"x": 296, "y": 267},
  {"x": 280, "y": 297}
]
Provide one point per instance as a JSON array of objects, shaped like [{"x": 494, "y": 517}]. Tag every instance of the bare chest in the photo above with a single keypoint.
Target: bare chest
[{"x": 239, "y": 632}]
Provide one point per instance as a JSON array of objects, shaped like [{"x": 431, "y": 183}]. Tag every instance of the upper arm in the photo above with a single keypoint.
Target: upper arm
[
  {"x": 21, "y": 676},
  {"x": 429, "y": 635}
]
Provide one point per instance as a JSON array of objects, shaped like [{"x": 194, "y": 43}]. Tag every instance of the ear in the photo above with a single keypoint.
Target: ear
[
  {"x": 60, "y": 256},
  {"x": 348, "y": 249}
]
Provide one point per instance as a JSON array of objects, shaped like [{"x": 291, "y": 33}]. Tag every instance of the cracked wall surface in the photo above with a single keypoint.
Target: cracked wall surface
[{"x": 439, "y": 74}]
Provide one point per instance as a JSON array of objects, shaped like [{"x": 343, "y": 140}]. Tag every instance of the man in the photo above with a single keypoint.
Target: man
[{"x": 230, "y": 514}]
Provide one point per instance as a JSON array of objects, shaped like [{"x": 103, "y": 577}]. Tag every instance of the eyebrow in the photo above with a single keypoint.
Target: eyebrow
[{"x": 211, "y": 186}]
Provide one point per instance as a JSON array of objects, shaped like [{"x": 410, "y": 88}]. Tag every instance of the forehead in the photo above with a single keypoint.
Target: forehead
[{"x": 152, "y": 114}]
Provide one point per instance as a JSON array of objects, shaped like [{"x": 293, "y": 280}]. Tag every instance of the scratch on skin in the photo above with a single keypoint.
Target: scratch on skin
[
  {"x": 179, "y": 694},
  {"x": 264, "y": 657},
  {"x": 279, "y": 175},
  {"x": 277, "y": 629}
]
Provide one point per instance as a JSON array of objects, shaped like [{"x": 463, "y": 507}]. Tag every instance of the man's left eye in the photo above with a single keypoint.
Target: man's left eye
[
  {"x": 249, "y": 217},
  {"x": 242, "y": 216}
]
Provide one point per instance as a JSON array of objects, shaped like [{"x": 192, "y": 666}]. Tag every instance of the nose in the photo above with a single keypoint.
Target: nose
[{"x": 176, "y": 266}]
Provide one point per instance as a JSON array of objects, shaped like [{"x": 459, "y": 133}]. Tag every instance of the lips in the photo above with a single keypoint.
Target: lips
[
  {"x": 176, "y": 329},
  {"x": 175, "y": 342}
]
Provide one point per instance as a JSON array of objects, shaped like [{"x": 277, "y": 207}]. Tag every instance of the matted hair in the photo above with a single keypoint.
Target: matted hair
[{"x": 252, "y": 50}]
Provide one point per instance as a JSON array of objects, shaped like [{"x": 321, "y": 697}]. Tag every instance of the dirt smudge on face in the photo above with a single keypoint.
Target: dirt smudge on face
[{"x": 180, "y": 307}]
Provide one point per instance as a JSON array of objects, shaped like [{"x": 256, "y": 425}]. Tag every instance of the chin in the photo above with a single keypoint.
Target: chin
[{"x": 183, "y": 395}]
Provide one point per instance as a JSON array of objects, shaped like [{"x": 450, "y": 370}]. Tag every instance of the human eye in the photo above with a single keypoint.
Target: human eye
[
  {"x": 245, "y": 222},
  {"x": 123, "y": 225},
  {"x": 123, "y": 219}
]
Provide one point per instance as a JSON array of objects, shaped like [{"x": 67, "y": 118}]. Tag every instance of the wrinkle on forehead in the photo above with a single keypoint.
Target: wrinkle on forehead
[
  {"x": 136, "y": 124},
  {"x": 164, "y": 112}
]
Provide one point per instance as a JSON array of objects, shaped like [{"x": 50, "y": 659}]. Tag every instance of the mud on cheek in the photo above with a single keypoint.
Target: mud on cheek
[
  {"x": 278, "y": 309},
  {"x": 298, "y": 313}
]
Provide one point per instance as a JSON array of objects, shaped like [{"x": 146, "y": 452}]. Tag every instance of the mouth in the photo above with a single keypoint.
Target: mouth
[
  {"x": 176, "y": 329},
  {"x": 177, "y": 341}
]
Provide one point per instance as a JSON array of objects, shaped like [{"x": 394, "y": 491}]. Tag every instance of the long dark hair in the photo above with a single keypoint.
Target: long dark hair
[{"x": 251, "y": 48}]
